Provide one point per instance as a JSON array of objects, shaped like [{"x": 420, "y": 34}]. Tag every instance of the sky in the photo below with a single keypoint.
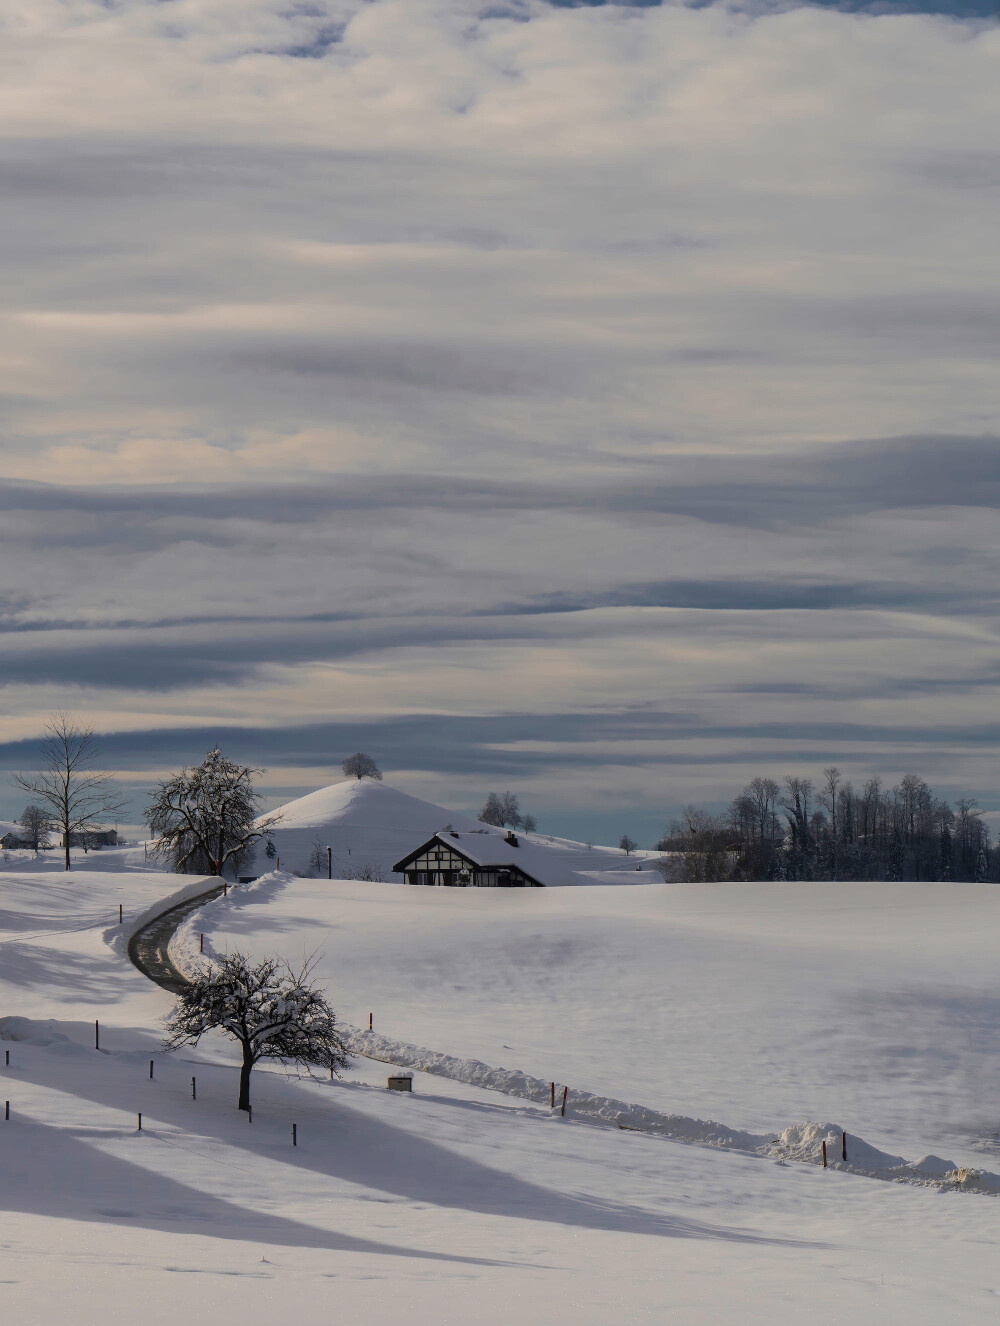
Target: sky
[{"x": 597, "y": 401}]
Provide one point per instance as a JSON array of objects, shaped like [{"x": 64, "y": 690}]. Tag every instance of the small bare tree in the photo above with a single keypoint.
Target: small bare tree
[
  {"x": 208, "y": 817},
  {"x": 36, "y": 824},
  {"x": 78, "y": 797},
  {"x": 359, "y": 765},
  {"x": 268, "y": 1008},
  {"x": 627, "y": 844}
]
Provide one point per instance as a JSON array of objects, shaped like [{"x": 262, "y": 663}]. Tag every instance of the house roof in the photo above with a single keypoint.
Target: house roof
[{"x": 489, "y": 847}]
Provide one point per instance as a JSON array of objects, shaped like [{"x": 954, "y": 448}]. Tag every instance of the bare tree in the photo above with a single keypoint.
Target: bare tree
[
  {"x": 627, "y": 844},
  {"x": 501, "y": 809},
  {"x": 208, "y": 817},
  {"x": 269, "y": 1009},
  {"x": 702, "y": 837},
  {"x": 79, "y": 797},
  {"x": 359, "y": 765},
  {"x": 318, "y": 858},
  {"x": 36, "y": 824}
]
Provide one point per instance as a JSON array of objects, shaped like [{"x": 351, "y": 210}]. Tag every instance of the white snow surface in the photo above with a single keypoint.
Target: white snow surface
[
  {"x": 368, "y": 824},
  {"x": 471, "y": 1201}
]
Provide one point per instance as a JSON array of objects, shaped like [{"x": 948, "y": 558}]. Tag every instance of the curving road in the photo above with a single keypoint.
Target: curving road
[{"x": 147, "y": 949}]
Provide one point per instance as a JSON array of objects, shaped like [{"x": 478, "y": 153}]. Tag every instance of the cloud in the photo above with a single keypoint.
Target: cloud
[{"x": 500, "y": 374}]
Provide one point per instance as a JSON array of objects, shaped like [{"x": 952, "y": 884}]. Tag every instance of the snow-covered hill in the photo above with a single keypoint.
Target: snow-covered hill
[{"x": 369, "y": 826}]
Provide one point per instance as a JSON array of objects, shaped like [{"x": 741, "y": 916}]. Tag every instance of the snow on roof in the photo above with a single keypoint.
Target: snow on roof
[{"x": 553, "y": 866}]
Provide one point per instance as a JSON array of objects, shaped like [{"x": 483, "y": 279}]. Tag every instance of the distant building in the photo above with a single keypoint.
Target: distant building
[
  {"x": 473, "y": 860},
  {"x": 94, "y": 838}
]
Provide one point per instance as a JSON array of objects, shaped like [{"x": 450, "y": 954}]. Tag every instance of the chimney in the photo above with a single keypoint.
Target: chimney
[{"x": 510, "y": 837}]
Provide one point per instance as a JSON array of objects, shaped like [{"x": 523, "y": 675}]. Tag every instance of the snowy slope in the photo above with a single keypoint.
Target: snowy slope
[
  {"x": 458, "y": 1205},
  {"x": 760, "y": 1005},
  {"x": 371, "y": 825}
]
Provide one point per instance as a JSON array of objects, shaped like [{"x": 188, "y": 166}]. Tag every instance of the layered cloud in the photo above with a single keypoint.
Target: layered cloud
[{"x": 608, "y": 390}]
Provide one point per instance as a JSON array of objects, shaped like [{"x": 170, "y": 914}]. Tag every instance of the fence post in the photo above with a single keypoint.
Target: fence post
[
  {"x": 201, "y": 944},
  {"x": 139, "y": 1129},
  {"x": 552, "y": 1095},
  {"x": 371, "y": 1021},
  {"x": 843, "y": 1146},
  {"x": 565, "y": 1094},
  {"x": 295, "y": 1135},
  {"x": 150, "y": 1070},
  {"x": 119, "y": 913},
  {"x": 824, "y": 1155},
  {"x": 97, "y": 1035},
  {"x": 6, "y": 1062},
  {"x": 6, "y": 1109},
  {"x": 194, "y": 1091}
]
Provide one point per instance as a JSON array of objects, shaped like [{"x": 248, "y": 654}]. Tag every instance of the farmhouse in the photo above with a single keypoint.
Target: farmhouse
[{"x": 479, "y": 859}]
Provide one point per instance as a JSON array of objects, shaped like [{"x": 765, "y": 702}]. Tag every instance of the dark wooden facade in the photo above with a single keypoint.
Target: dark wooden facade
[{"x": 443, "y": 863}]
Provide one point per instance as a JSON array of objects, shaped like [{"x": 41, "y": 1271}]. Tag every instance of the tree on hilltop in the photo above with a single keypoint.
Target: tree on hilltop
[
  {"x": 359, "y": 765},
  {"x": 501, "y": 810},
  {"x": 268, "y": 1008},
  {"x": 207, "y": 818},
  {"x": 78, "y": 797}
]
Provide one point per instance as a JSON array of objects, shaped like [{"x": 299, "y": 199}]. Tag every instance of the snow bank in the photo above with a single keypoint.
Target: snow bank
[
  {"x": 118, "y": 937},
  {"x": 31, "y": 1031}
]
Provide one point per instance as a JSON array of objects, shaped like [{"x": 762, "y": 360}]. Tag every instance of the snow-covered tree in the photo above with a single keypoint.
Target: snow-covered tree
[
  {"x": 529, "y": 824},
  {"x": 359, "y": 765},
  {"x": 206, "y": 818},
  {"x": 78, "y": 797},
  {"x": 269, "y": 1009},
  {"x": 318, "y": 858},
  {"x": 627, "y": 844}
]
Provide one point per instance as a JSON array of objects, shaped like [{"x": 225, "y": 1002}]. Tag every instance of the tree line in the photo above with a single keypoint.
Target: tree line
[{"x": 831, "y": 830}]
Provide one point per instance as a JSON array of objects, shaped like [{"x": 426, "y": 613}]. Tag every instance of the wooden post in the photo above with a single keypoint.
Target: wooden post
[
  {"x": 329, "y": 863},
  {"x": 225, "y": 889},
  {"x": 201, "y": 944},
  {"x": 6, "y": 1062},
  {"x": 277, "y": 863},
  {"x": 139, "y": 1129},
  {"x": 194, "y": 1090},
  {"x": 150, "y": 1070},
  {"x": 824, "y": 1155},
  {"x": 552, "y": 1095},
  {"x": 295, "y": 1135},
  {"x": 371, "y": 1021},
  {"x": 6, "y": 1109},
  {"x": 119, "y": 913},
  {"x": 843, "y": 1146},
  {"x": 97, "y": 1035},
  {"x": 565, "y": 1094}
]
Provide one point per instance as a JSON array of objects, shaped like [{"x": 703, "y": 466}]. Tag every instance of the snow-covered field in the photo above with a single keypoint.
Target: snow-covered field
[{"x": 760, "y": 1006}]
